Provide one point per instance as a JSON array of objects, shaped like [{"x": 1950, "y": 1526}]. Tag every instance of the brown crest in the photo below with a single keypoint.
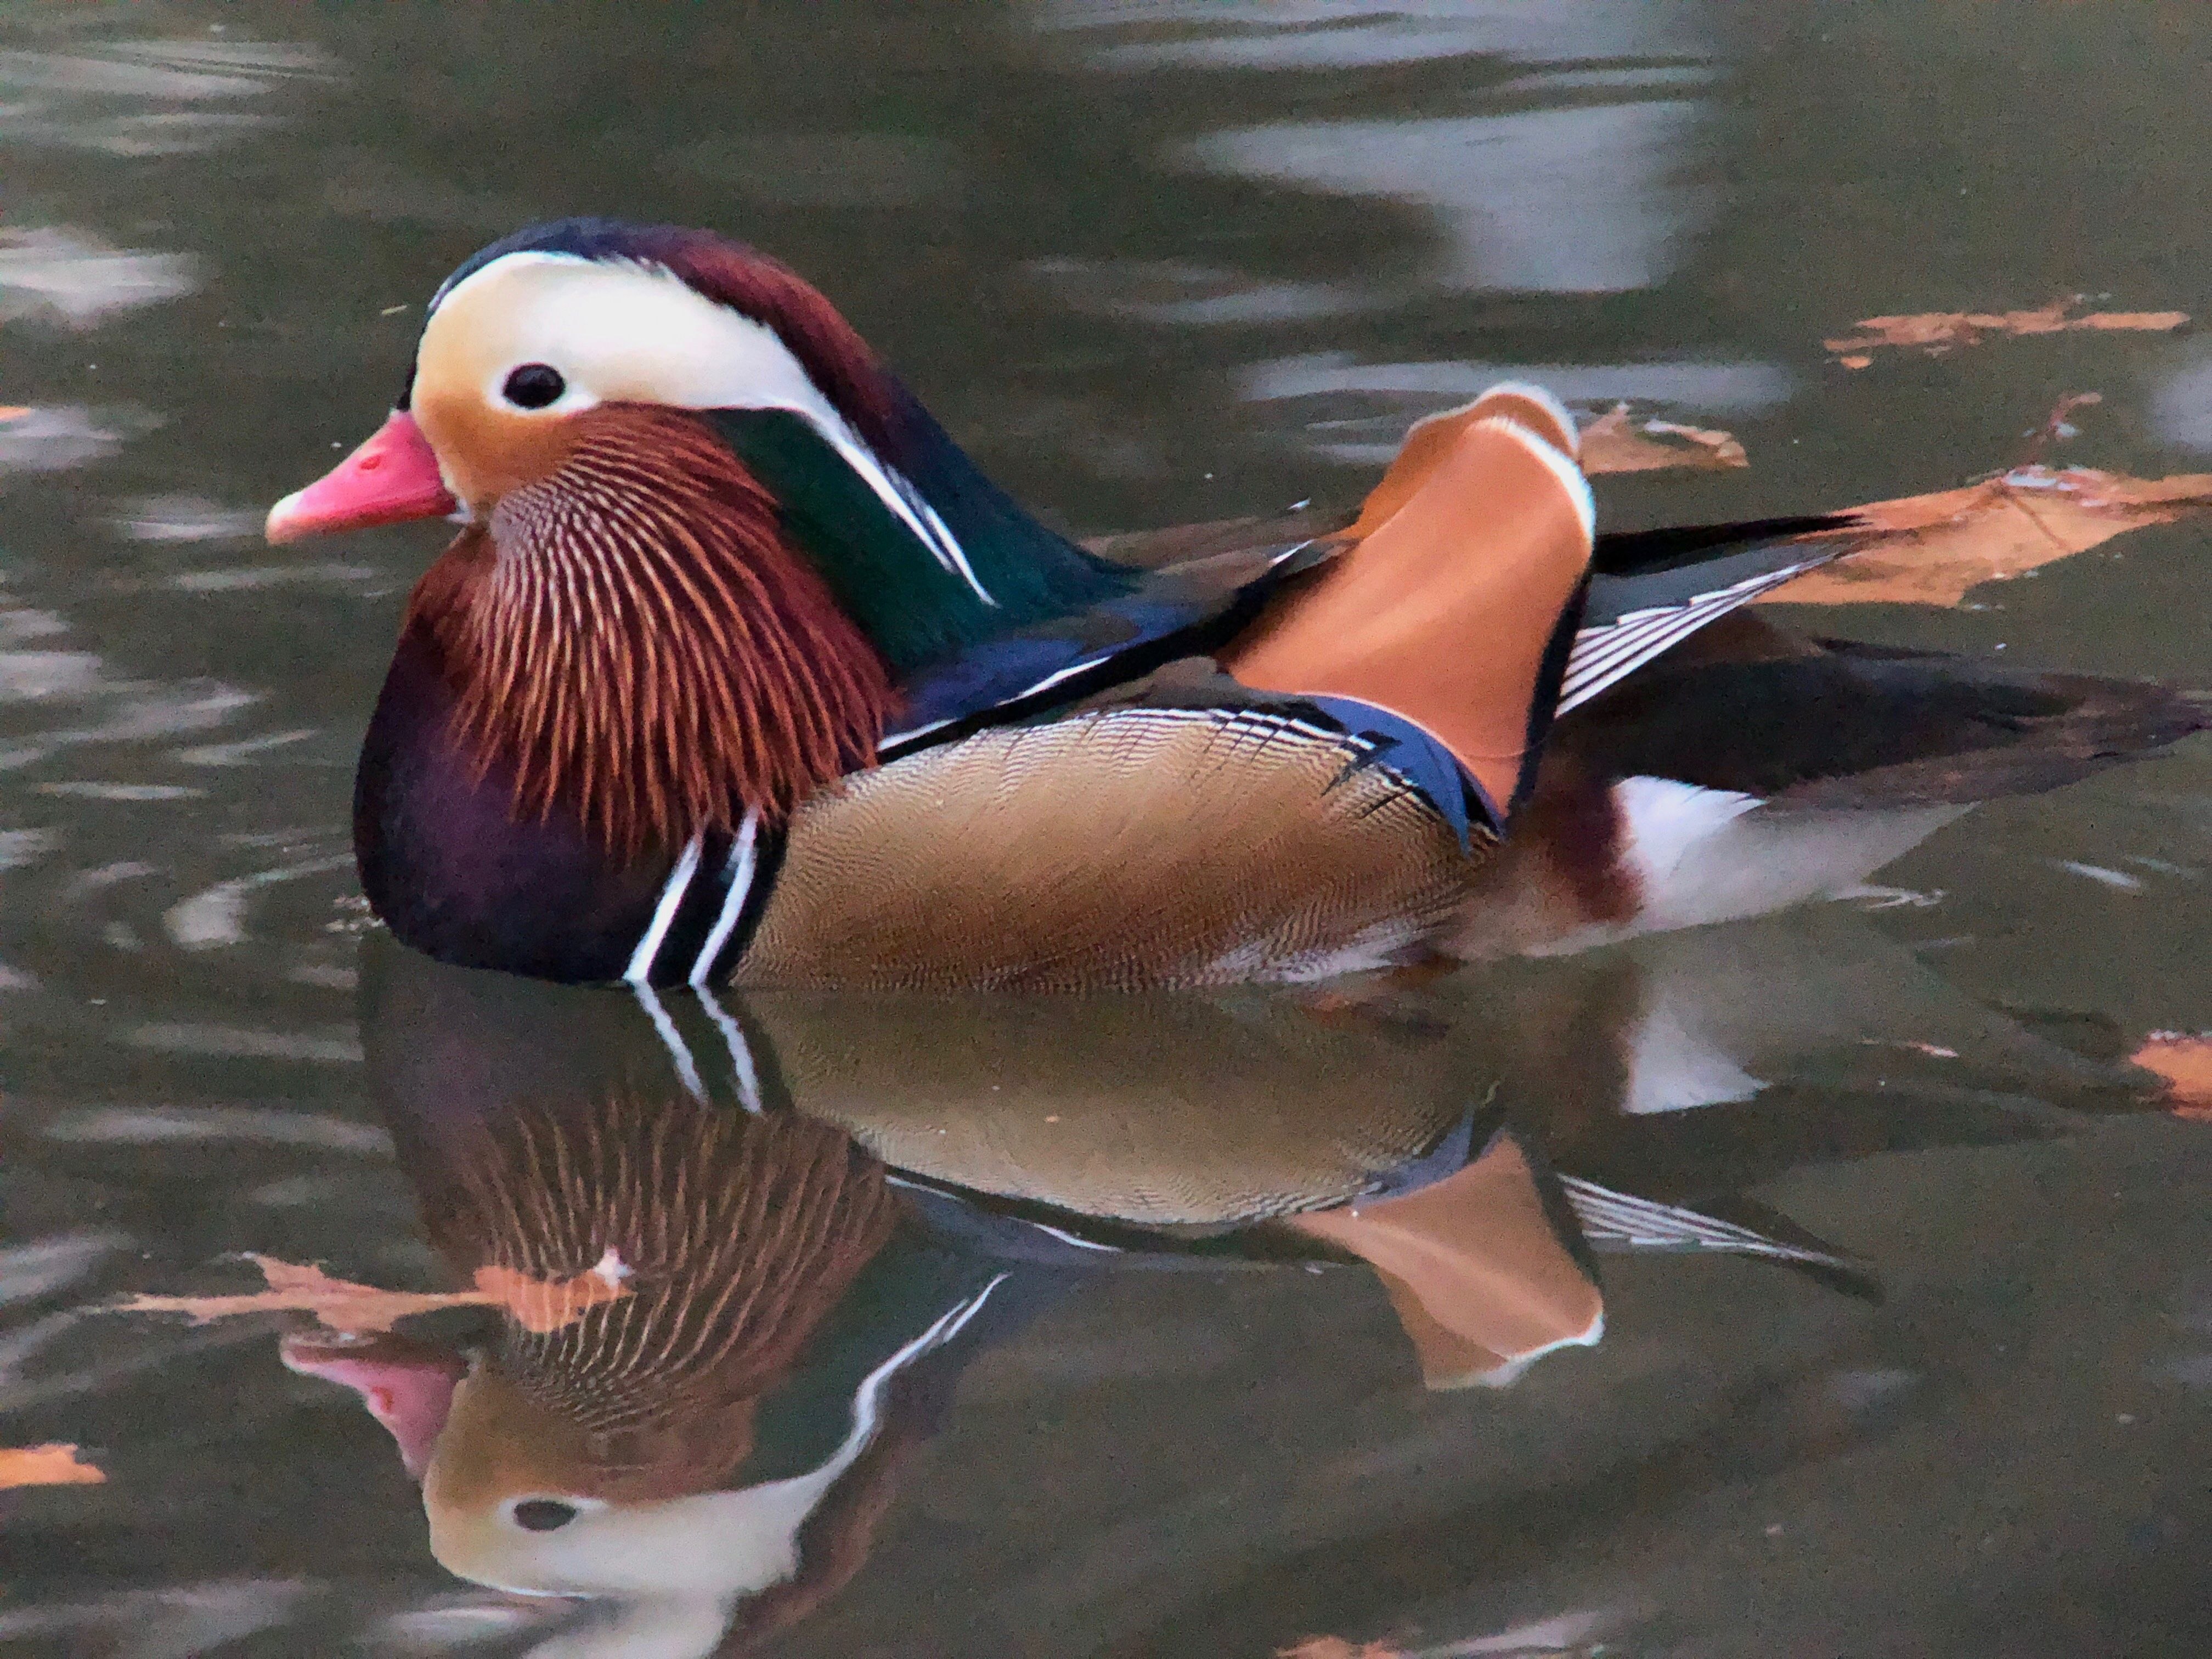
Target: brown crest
[
  {"x": 831, "y": 351},
  {"x": 634, "y": 637}
]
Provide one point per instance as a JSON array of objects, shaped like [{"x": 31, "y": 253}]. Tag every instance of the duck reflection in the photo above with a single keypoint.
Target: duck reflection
[{"x": 819, "y": 1210}]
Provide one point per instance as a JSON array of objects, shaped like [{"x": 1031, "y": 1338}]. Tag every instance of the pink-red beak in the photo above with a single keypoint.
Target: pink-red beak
[{"x": 388, "y": 480}]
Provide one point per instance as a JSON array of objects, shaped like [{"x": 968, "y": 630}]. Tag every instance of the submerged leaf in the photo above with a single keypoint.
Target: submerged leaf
[
  {"x": 1931, "y": 549},
  {"x": 1335, "y": 1647},
  {"x": 1613, "y": 443},
  {"x": 339, "y": 1304},
  {"x": 1935, "y": 332},
  {"x": 14, "y": 411},
  {"x": 55, "y": 1464},
  {"x": 2184, "y": 1061}
]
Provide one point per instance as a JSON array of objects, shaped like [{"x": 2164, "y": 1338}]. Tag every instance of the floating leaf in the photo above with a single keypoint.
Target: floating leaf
[
  {"x": 55, "y": 1464},
  {"x": 2184, "y": 1061},
  {"x": 339, "y": 1304},
  {"x": 1932, "y": 549},
  {"x": 1935, "y": 332},
  {"x": 1613, "y": 443}
]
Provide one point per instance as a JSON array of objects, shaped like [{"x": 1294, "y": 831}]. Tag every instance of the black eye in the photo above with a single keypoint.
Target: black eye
[
  {"x": 542, "y": 1514},
  {"x": 534, "y": 386}
]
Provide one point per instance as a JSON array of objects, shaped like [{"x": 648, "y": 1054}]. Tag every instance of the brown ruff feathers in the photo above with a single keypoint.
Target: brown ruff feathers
[{"x": 635, "y": 639}]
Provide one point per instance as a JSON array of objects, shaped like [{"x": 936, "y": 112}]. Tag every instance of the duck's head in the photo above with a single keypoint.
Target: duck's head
[
  {"x": 541, "y": 331},
  {"x": 693, "y": 500}
]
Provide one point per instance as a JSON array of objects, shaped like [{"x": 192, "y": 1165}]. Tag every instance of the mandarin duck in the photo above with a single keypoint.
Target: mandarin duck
[{"x": 741, "y": 671}]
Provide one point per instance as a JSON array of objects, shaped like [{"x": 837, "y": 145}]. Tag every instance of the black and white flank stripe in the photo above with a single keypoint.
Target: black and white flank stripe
[{"x": 707, "y": 907}]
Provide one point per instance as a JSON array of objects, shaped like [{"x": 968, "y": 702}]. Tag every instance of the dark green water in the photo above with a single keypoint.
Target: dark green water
[{"x": 1152, "y": 263}]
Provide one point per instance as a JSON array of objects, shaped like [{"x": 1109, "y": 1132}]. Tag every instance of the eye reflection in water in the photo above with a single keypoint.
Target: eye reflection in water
[{"x": 820, "y": 1209}]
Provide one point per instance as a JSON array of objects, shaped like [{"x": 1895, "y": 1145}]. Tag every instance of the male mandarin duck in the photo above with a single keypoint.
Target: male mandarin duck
[{"x": 740, "y": 670}]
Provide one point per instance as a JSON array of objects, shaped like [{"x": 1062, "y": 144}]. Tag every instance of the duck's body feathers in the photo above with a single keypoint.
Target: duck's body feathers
[
  {"x": 1196, "y": 606},
  {"x": 1840, "y": 724},
  {"x": 1176, "y": 837}
]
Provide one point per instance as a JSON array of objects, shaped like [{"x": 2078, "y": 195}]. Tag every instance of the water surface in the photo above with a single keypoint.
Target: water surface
[{"x": 1153, "y": 263}]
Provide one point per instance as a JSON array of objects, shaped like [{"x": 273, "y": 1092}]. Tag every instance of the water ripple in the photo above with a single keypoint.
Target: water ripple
[{"x": 61, "y": 277}]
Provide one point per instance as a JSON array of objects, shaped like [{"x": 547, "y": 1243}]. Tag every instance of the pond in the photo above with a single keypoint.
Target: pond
[{"x": 1836, "y": 1281}]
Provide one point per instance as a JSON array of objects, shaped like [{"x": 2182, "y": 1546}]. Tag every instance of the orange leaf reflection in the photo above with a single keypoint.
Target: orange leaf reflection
[
  {"x": 540, "y": 1305},
  {"x": 339, "y": 1304},
  {"x": 55, "y": 1464},
  {"x": 2184, "y": 1061}
]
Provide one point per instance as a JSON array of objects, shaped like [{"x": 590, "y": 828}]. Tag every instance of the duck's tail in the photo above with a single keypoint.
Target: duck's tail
[{"x": 1457, "y": 607}]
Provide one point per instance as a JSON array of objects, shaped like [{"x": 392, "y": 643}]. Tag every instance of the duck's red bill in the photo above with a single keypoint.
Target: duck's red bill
[{"x": 388, "y": 480}]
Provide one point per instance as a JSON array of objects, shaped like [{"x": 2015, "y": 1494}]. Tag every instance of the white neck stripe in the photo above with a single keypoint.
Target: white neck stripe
[
  {"x": 744, "y": 861},
  {"x": 639, "y": 971}
]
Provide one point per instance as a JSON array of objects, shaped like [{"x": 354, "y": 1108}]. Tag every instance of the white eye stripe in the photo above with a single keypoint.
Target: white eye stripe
[{"x": 624, "y": 332}]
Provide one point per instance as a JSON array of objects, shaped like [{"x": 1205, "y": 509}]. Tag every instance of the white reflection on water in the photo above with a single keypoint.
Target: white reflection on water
[
  {"x": 332, "y": 1048},
  {"x": 21, "y": 847},
  {"x": 182, "y": 70},
  {"x": 153, "y": 1126},
  {"x": 216, "y": 915},
  {"x": 62, "y": 276},
  {"x": 1587, "y": 199},
  {"x": 252, "y": 577},
  {"x": 71, "y": 99},
  {"x": 1720, "y": 385},
  {"x": 166, "y": 132},
  {"x": 33, "y": 676},
  {"x": 1573, "y": 180},
  {"x": 39, "y": 683},
  {"x": 1290, "y": 34},
  {"x": 92, "y": 789},
  {"x": 185, "y": 1618},
  {"x": 43, "y": 1266},
  {"x": 2181, "y": 407},
  {"x": 1179, "y": 293},
  {"x": 56, "y": 437},
  {"x": 185, "y": 519}
]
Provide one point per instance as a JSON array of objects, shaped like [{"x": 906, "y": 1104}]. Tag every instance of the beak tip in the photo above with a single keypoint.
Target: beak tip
[
  {"x": 284, "y": 523},
  {"x": 392, "y": 477}
]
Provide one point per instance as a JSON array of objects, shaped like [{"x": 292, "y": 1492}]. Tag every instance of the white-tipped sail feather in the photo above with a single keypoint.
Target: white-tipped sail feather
[{"x": 1605, "y": 654}]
